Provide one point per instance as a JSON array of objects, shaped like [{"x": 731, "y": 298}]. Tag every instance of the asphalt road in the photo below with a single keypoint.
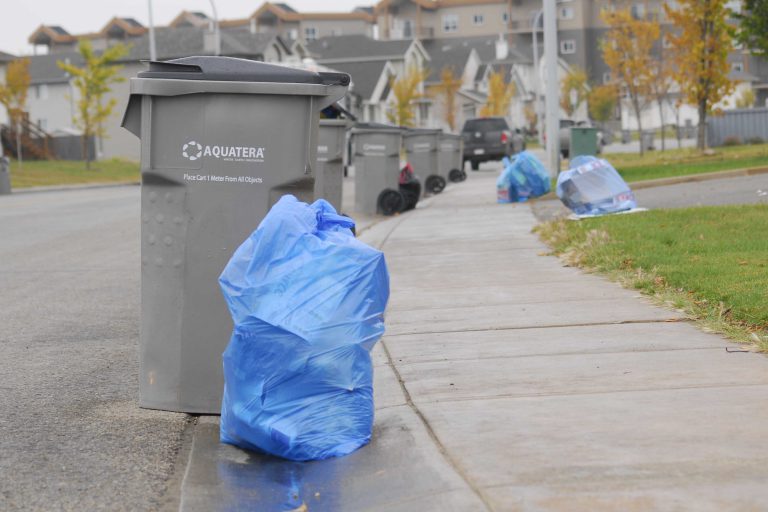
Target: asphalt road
[
  {"x": 742, "y": 190},
  {"x": 71, "y": 435}
]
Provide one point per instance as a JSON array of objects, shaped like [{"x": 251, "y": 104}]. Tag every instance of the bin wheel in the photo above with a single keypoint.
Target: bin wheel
[
  {"x": 434, "y": 184},
  {"x": 391, "y": 202},
  {"x": 475, "y": 165},
  {"x": 463, "y": 176},
  {"x": 456, "y": 176}
]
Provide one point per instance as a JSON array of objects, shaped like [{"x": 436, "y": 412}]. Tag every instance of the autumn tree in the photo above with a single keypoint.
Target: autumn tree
[
  {"x": 753, "y": 25},
  {"x": 627, "y": 51},
  {"x": 576, "y": 80},
  {"x": 662, "y": 80},
  {"x": 406, "y": 90},
  {"x": 13, "y": 95},
  {"x": 531, "y": 118},
  {"x": 602, "y": 102},
  {"x": 93, "y": 82},
  {"x": 701, "y": 55},
  {"x": 446, "y": 90},
  {"x": 500, "y": 94}
]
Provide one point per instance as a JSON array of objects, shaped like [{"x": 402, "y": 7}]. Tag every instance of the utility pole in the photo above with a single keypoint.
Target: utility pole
[
  {"x": 216, "y": 33},
  {"x": 152, "y": 47},
  {"x": 552, "y": 89},
  {"x": 537, "y": 78}
]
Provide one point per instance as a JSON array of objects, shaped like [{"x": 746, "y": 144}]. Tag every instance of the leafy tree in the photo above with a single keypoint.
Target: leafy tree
[
  {"x": 662, "y": 79},
  {"x": 449, "y": 85},
  {"x": 627, "y": 51},
  {"x": 575, "y": 80},
  {"x": 13, "y": 94},
  {"x": 701, "y": 55},
  {"x": 93, "y": 82},
  {"x": 406, "y": 90},
  {"x": 746, "y": 100},
  {"x": 499, "y": 95},
  {"x": 602, "y": 102},
  {"x": 531, "y": 118},
  {"x": 753, "y": 25}
]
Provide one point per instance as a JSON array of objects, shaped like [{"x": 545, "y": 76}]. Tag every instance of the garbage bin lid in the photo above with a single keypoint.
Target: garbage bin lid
[
  {"x": 423, "y": 131},
  {"x": 376, "y": 127},
  {"x": 230, "y": 69}
]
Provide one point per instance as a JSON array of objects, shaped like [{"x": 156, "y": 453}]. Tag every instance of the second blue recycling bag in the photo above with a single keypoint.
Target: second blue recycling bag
[
  {"x": 522, "y": 177},
  {"x": 593, "y": 187},
  {"x": 307, "y": 299}
]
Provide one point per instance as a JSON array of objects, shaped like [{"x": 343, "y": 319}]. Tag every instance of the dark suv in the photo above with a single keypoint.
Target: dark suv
[{"x": 489, "y": 138}]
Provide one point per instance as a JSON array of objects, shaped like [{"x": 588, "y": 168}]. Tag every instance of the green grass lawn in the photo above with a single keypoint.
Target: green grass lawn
[
  {"x": 683, "y": 162},
  {"x": 40, "y": 173},
  {"x": 710, "y": 261}
]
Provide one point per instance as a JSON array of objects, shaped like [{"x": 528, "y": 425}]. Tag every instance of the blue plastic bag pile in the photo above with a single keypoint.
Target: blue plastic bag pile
[
  {"x": 307, "y": 299},
  {"x": 522, "y": 178},
  {"x": 593, "y": 187}
]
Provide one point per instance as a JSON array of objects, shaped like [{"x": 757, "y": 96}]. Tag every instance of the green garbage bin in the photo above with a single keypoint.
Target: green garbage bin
[{"x": 583, "y": 141}]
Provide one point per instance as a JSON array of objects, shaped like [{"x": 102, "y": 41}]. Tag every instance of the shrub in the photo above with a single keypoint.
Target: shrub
[
  {"x": 732, "y": 141},
  {"x": 755, "y": 140}
]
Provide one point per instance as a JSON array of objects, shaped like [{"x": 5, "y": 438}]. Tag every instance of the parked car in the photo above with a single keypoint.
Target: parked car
[
  {"x": 488, "y": 139},
  {"x": 565, "y": 136}
]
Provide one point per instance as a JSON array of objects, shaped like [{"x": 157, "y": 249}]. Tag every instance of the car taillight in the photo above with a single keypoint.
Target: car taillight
[{"x": 504, "y": 138}]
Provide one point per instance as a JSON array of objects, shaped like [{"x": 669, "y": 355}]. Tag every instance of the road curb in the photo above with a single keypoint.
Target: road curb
[
  {"x": 84, "y": 186},
  {"x": 692, "y": 178}
]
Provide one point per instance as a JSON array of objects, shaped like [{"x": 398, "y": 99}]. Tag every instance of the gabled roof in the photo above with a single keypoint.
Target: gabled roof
[
  {"x": 445, "y": 53},
  {"x": 365, "y": 75},
  {"x": 357, "y": 47},
  {"x": 173, "y": 43},
  {"x": 43, "y": 69},
  {"x": 187, "y": 18},
  {"x": 286, "y": 13},
  {"x": 46, "y": 34},
  {"x": 6, "y": 57},
  {"x": 128, "y": 26}
]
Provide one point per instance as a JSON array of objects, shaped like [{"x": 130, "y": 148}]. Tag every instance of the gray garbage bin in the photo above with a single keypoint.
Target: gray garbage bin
[
  {"x": 222, "y": 140},
  {"x": 421, "y": 149},
  {"x": 376, "y": 159},
  {"x": 5, "y": 174},
  {"x": 647, "y": 140},
  {"x": 449, "y": 157},
  {"x": 331, "y": 143}
]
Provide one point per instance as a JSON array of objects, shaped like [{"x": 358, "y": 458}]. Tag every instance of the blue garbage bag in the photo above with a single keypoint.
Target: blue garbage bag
[
  {"x": 593, "y": 187},
  {"x": 307, "y": 299},
  {"x": 522, "y": 177}
]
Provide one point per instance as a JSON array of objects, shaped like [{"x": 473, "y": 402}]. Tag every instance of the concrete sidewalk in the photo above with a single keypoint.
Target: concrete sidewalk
[{"x": 508, "y": 382}]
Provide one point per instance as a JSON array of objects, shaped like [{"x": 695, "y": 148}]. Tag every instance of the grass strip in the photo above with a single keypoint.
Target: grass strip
[
  {"x": 710, "y": 262},
  {"x": 43, "y": 173}
]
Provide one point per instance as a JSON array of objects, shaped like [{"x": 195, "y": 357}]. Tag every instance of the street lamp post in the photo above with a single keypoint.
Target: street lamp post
[
  {"x": 152, "y": 47},
  {"x": 537, "y": 78},
  {"x": 553, "y": 105},
  {"x": 216, "y": 33}
]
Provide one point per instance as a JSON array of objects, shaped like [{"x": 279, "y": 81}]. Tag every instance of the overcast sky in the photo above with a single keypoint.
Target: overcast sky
[{"x": 19, "y": 18}]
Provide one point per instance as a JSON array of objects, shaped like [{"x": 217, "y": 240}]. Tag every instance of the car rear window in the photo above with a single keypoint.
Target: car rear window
[{"x": 485, "y": 125}]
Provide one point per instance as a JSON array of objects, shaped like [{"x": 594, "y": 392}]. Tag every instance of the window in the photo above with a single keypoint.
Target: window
[
  {"x": 478, "y": 19},
  {"x": 607, "y": 77},
  {"x": 566, "y": 13},
  {"x": 737, "y": 66},
  {"x": 42, "y": 124},
  {"x": 41, "y": 92},
  {"x": 638, "y": 11},
  {"x": 505, "y": 17},
  {"x": 335, "y": 31},
  {"x": 310, "y": 33},
  {"x": 450, "y": 23},
  {"x": 568, "y": 46},
  {"x": 293, "y": 34}
]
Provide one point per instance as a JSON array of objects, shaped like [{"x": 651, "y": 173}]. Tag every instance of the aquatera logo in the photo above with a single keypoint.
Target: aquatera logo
[{"x": 194, "y": 150}]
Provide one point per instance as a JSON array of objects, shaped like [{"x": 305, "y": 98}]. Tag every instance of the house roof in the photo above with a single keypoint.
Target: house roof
[
  {"x": 285, "y": 12},
  {"x": 445, "y": 53},
  {"x": 45, "y": 34},
  {"x": 129, "y": 26},
  {"x": 186, "y": 18},
  {"x": 365, "y": 75},
  {"x": 742, "y": 76},
  {"x": 43, "y": 69},
  {"x": 6, "y": 57},
  {"x": 357, "y": 47},
  {"x": 178, "y": 42}
]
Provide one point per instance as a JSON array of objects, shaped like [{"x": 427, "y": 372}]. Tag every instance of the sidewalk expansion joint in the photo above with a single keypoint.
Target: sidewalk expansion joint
[
  {"x": 549, "y": 326},
  {"x": 432, "y": 435},
  {"x": 513, "y": 396}
]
